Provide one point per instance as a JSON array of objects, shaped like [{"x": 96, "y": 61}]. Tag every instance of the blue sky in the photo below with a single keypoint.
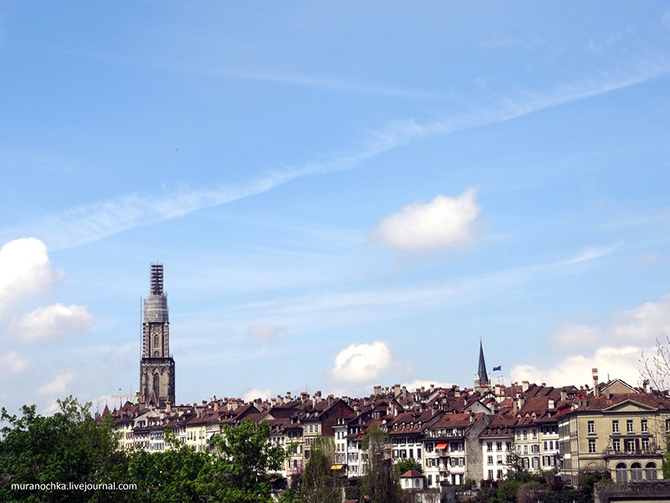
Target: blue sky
[{"x": 343, "y": 195}]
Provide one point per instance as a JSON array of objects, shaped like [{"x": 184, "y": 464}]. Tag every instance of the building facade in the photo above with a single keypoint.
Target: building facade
[{"x": 157, "y": 367}]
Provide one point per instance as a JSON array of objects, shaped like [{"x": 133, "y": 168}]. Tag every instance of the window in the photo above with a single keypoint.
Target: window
[
  {"x": 525, "y": 434},
  {"x": 489, "y": 446},
  {"x": 592, "y": 445},
  {"x": 498, "y": 446},
  {"x": 490, "y": 474},
  {"x": 546, "y": 445},
  {"x": 490, "y": 461},
  {"x": 616, "y": 445},
  {"x": 500, "y": 474},
  {"x": 635, "y": 472},
  {"x": 615, "y": 426},
  {"x": 534, "y": 432},
  {"x": 591, "y": 426},
  {"x": 509, "y": 444},
  {"x": 630, "y": 445},
  {"x": 645, "y": 444},
  {"x": 621, "y": 473},
  {"x": 651, "y": 473},
  {"x": 643, "y": 426},
  {"x": 667, "y": 425},
  {"x": 629, "y": 425}
]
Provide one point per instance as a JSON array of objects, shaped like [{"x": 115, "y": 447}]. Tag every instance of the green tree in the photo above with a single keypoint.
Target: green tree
[
  {"x": 180, "y": 473},
  {"x": 236, "y": 469},
  {"x": 70, "y": 447},
  {"x": 244, "y": 459},
  {"x": 319, "y": 484},
  {"x": 67, "y": 447},
  {"x": 507, "y": 491},
  {"x": 290, "y": 496},
  {"x": 404, "y": 465},
  {"x": 379, "y": 483}
]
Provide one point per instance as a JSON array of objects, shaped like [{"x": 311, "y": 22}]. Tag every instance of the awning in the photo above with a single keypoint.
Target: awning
[
  {"x": 443, "y": 445},
  {"x": 337, "y": 467}
]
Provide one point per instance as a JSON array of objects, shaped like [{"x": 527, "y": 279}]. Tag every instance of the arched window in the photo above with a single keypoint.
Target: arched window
[
  {"x": 156, "y": 340},
  {"x": 157, "y": 386},
  {"x": 635, "y": 472},
  {"x": 621, "y": 473},
  {"x": 651, "y": 474}
]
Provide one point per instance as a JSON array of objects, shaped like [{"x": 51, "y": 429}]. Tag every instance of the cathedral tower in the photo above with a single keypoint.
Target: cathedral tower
[
  {"x": 481, "y": 377},
  {"x": 157, "y": 376}
]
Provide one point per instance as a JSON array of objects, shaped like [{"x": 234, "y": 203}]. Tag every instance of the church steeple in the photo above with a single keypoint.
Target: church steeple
[
  {"x": 482, "y": 378},
  {"x": 157, "y": 369}
]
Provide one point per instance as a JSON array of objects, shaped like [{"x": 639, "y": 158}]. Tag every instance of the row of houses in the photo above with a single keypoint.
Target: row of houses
[{"x": 456, "y": 435}]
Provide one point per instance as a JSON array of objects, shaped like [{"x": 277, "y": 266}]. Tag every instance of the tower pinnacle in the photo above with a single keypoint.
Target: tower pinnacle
[
  {"x": 157, "y": 369},
  {"x": 482, "y": 376}
]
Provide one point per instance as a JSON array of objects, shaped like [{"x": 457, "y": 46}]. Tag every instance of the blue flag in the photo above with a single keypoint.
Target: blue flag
[{"x": 499, "y": 367}]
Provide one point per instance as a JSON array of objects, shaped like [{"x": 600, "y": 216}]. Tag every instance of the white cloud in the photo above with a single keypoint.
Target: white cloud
[
  {"x": 362, "y": 362},
  {"x": 444, "y": 222},
  {"x": 53, "y": 321},
  {"x": 615, "y": 362},
  {"x": 572, "y": 335},
  {"x": 14, "y": 362},
  {"x": 87, "y": 223},
  {"x": 593, "y": 253},
  {"x": 646, "y": 323},
  {"x": 254, "y": 393},
  {"x": 264, "y": 332},
  {"x": 614, "y": 349},
  {"x": 25, "y": 271},
  {"x": 329, "y": 83},
  {"x": 58, "y": 385}
]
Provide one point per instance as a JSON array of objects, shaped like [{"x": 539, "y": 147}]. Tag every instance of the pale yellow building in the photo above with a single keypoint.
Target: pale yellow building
[{"x": 625, "y": 434}]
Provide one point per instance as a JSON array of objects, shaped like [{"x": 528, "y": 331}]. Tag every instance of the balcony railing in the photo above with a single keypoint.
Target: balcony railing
[{"x": 649, "y": 451}]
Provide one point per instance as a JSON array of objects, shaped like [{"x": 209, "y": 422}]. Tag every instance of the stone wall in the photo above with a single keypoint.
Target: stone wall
[{"x": 633, "y": 492}]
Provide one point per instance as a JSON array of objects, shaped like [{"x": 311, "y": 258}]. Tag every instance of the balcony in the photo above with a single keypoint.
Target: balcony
[{"x": 641, "y": 452}]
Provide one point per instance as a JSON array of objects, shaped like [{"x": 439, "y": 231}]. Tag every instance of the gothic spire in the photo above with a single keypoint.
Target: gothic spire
[{"x": 481, "y": 371}]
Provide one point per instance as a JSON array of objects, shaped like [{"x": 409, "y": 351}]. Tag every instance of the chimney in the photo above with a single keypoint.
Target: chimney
[
  {"x": 596, "y": 388},
  {"x": 396, "y": 390},
  {"x": 524, "y": 386}
]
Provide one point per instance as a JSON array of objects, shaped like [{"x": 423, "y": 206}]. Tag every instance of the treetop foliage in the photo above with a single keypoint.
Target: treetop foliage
[{"x": 71, "y": 447}]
